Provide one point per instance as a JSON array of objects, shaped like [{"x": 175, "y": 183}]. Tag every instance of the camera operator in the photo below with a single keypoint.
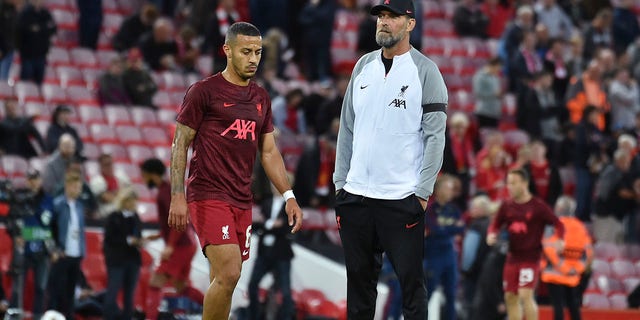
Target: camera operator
[{"x": 32, "y": 241}]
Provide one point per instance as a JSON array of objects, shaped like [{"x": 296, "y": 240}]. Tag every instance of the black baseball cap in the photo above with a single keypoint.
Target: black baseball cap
[{"x": 399, "y": 7}]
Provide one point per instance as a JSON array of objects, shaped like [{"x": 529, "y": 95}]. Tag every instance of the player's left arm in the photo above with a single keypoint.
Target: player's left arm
[
  {"x": 434, "y": 122},
  {"x": 273, "y": 165}
]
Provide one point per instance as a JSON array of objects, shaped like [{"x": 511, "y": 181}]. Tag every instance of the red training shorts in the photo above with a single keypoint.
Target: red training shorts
[
  {"x": 178, "y": 266},
  {"x": 217, "y": 222},
  {"x": 519, "y": 275}
]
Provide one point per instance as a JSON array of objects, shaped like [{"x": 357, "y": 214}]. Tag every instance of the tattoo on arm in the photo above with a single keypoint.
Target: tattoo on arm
[{"x": 181, "y": 141}]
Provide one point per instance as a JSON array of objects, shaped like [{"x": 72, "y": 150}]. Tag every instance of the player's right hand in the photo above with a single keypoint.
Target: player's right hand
[
  {"x": 178, "y": 212},
  {"x": 492, "y": 238}
]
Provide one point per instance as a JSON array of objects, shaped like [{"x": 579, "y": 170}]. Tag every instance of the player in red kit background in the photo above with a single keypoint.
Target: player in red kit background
[
  {"x": 227, "y": 117},
  {"x": 525, "y": 217}
]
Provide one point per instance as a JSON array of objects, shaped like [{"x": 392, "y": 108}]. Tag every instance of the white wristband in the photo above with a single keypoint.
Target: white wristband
[{"x": 288, "y": 195}]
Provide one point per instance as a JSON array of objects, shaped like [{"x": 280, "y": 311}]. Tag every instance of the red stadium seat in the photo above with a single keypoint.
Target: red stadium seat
[
  {"x": 630, "y": 284},
  {"x": 42, "y": 126},
  {"x": 58, "y": 4},
  {"x": 6, "y": 91},
  {"x": 118, "y": 152},
  {"x": 432, "y": 9},
  {"x": 155, "y": 136},
  {"x": 622, "y": 269},
  {"x": 595, "y": 301},
  {"x": 601, "y": 267},
  {"x": 14, "y": 166},
  {"x": 129, "y": 135},
  {"x": 138, "y": 154},
  {"x": 163, "y": 153},
  {"x": 103, "y": 133},
  {"x": 36, "y": 109},
  {"x": 95, "y": 270},
  {"x": 53, "y": 94},
  {"x": 144, "y": 194},
  {"x": 51, "y": 76},
  {"x": 143, "y": 117},
  {"x": 174, "y": 81},
  {"x": 608, "y": 285},
  {"x": 148, "y": 212},
  {"x": 166, "y": 116},
  {"x": 608, "y": 251},
  {"x": 91, "y": 114},
  {"x": 117, "y": 115},
  {"x": 58, "y": 56},
  {"x": 94, "y": 241},
  {"x": 110, "y": 6},
  {"x": 111, "y": 23},
  {"x": 163, "y": 101},
  {"x": 105, "y": 57},
  {"x": 632, "y": 251},
  {"x": 65, "y": 19},
  {"x": 27, "y": 91},
  {"x": 83, "y": 132},
  {"x": 82, "y": 96},
  {"x": 91, "y": 77},
  {"x": 39, "y": 163},
  {"x": 83, "y": 58},
  {"x": 70, "y": 76},
  {"x": 618, "y": 301},
  {"x": 91, "y": 151},
  {"x": 91, "y": 168},
  {"x": 131, "y": 170}
]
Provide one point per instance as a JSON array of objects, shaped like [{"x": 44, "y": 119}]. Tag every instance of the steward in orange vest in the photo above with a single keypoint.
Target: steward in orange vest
[{"x": 565, "y": 267}]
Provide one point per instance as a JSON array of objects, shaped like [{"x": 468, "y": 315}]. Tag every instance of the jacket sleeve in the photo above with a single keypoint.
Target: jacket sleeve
[{"x": 344, "y": 148}]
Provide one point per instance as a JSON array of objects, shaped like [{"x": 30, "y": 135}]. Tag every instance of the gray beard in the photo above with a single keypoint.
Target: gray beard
[{"x": 387, "y": 41}]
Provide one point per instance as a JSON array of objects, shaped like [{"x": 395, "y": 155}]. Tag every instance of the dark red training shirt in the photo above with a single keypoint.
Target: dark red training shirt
[
  {"x": 229, "y": 120},
  {"x": 525, "y": 223},
  {"x": 171, "y": 236}
]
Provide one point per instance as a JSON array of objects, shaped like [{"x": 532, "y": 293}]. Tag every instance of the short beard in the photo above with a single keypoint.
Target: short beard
[{"x": 387, "y": 41}]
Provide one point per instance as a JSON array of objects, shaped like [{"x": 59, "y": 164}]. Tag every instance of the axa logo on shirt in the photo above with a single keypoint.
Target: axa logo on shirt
[
  {"x": 243, "y": 128},
  {"x": 400, "y": 102},
  {"x": 225, "y": 233}
]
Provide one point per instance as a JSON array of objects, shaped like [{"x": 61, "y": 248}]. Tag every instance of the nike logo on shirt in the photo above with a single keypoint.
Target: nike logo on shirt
[
  {"x": 362, "y": 87},
  {"x": 409, "y": 226},
  {"x": 226, "y": 105}
]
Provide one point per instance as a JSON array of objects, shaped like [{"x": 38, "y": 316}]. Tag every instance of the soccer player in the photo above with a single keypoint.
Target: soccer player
[
  {"x": 179, "y": 247},
  {"x": 525, "y": 217},
  {"x": 227, "y": 117}
]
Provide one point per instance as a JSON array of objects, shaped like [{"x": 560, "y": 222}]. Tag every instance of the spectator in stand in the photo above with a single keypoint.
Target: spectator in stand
[
  {"x": 316, "y": 22},
  {"x": 59, "y": 126},
  {"x": 274, "y": 256},
  {"x": 89, "y": 22},
  {"x": 524, "y": 217},
  {"x": 8, "y": 21},
  {"x": 565, "y": 259},
  {"x": 68, "y": 233},
  {"x": 121, "y": 248},
  {"x": 625, "y": 27},
  {"x": 199, "y": 12},
  {"x": 514, "y": 33},
  {"x": 33, "y": 39},
  {"x": 498, "y": 15},
  {"x": 443, "y": 222},
  {"x": 576, "y": 64},
  {"x": 492, "y": 172},
  {"x": 224, "y": 16},
  {"x": 488, "y": 302},
  {"x": 459, "y": 154},
  {"x": 474, "y": 248},
  {"x": 525, "y": 63},
  {"x": 614, "y": 198},
  {"x": 331, "y": 108},
  {"x": 598, "y": 34},
  {"x": 366, "y": 28},
  {"x": 588, "y": 159},
  {"x": 58, "y": 163},
  {"x": 630, "y": 144},
  {"x": 469, "y": 20},
  {"x": 541, "y": 113},
  {"x": 111, "y": 88},
  {"x": 608, "y": 64},
  {"x": 159, "y": 47},
  {"x": 545, "y": 174},
  {"x": 134, "y": 27},
  {"x": 137, "y": 80},
  {"x": 543, "y": 40},
  {"x": 107, "y": 184},
  {"x": 555, "y": 63},
  {"x": 487, "y": 89},
  {"x": 625, "y": 101},
  {"x": 18, "y": 135},
  {"x": 314, "y": 171},
  {"x": 188, "y": 51},
  {"x": 287, "y": 114},
  {"x": 549, "y": 13},
  {"x": 179, "y": 247},
  {"x": 576, "y": 10},
  {"x": 588, "y": 90}
]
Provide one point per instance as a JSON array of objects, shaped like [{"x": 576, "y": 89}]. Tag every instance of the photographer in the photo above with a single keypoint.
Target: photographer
[{"x": 31, "y": 233}]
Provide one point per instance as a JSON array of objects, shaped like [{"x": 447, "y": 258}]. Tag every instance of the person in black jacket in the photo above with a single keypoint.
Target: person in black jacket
[
  {"x": 59, "y": 126},
  {"x": 488, "y": 302},
  {"x": 316, "y": 21},
  {"x": 469, "y": 20},
  {"x": 158, "y": 46},
  {"x": 8, "y": 22},
  {"x": 33, "y": 33},
  {"x": 137, "y": 80},
  {"x": 133, "y": 27},
  {"x": 274, "y": 255},
  {"x": 89, "y": 22},
  {"x": 18, "y": 135},
  {"x": 122, "y": 242}
]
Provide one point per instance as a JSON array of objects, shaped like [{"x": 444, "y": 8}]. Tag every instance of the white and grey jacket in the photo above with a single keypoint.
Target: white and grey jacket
[{"x": 392, "y": 128}]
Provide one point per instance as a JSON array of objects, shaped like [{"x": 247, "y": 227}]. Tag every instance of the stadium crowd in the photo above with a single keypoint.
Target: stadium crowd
[{"x": 547, "y": 86}]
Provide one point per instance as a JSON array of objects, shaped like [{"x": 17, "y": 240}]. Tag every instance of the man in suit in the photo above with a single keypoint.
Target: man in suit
[{"x": 68, "y": 233}]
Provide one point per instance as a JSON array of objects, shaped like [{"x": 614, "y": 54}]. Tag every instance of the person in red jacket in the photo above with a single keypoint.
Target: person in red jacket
[{"x": 525, "y": 217}]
